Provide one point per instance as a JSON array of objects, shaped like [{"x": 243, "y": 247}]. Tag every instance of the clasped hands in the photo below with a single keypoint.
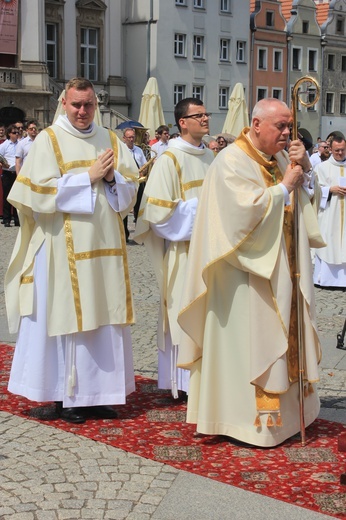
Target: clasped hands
[{"x": 103, "y": 167}]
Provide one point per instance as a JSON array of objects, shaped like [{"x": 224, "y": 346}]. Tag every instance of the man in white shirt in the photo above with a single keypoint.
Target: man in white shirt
[
  {"x": 25, "y": 144},
  {"x": 67, "y": 287},
  {"x": 8, "y": 176},
  {"x": 129, "y": 136},
  {"x": 162, "y": 144},
  {"x": 322, "y": 154}
]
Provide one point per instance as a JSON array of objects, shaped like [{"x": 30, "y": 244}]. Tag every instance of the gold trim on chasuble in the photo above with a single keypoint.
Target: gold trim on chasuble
[
  {"x": 268, "y": 402},
  {"x": 86, "y": 255},
  {"x": 43, "y": 190}
]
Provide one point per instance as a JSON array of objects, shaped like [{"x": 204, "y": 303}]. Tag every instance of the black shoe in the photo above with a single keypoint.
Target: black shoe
[
  {"x": 16, "y": 223},
  {"x": 7, "y": 224},
  {"x": 70, "y": 415},
  {"x": 102, "y": 412}
]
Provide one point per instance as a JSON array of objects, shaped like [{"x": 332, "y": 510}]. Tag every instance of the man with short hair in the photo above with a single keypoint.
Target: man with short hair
[
  {"x": 162, "y": 143},
  {"x": 239, "y": 305},
  {"x": 25, "y": 144},
  {"x": 330, "y": 261},
  {"x": 20, "y": 127},
  {"x": 165, "y": 224},
  {"x": 322, "y": 154},
  {"x": 129, "y": 136},
  {"x": 213, "y": 145},
  {"x": 8, "y": 176},
  {"x": 67, "y": 286}
]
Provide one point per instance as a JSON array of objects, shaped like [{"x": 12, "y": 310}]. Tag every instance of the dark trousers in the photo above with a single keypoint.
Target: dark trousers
[
  {"x": 139, "y": 199},
  {"x": 7, "y": 179}
]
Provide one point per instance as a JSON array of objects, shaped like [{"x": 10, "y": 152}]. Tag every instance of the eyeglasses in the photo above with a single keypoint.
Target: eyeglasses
[
  {"x": 19, "y": 127},
  {"x": 325, "y": 147},
  {"x": 199, "y": 117},
  {"x": 14, "y": 132},
  {"x": 32, "y": 128}
]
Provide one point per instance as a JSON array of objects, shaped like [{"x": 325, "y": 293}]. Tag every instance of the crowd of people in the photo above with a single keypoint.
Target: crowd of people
[{"x": 217, "y": 215}]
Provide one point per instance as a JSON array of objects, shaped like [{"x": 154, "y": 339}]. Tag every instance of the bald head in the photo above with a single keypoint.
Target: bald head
[
  {"x": 270, "y": 126},
  {"x": 264, "y": 106}
]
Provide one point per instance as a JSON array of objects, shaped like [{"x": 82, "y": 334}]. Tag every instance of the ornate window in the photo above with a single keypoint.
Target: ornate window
[
  {"x": 54, "y": 17},
  {"x": 90, "y": 37}
]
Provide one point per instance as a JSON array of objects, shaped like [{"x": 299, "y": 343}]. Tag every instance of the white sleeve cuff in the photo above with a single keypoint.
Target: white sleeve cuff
[
  {"x": 75, "y": 194},
  {"x": 179, "y": 226},
  {"x": 286, "y": 194}
]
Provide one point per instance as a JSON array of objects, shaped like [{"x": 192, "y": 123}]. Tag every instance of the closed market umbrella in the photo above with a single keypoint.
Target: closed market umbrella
[
  {"x": 237, "y": 116},
  {"x": 151, "y": 113}
]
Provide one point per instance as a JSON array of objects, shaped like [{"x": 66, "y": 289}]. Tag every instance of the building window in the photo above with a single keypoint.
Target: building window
[
  {"x": 343, "y": 63},
  {"x": 340, "y": 24},
  {"x": 89, "y": 54},
  {"x": 330, "y": 103},
  {"x": 262, "y": 93},
  {"x": 278, "y": 61},
  {"x": 179, "y": 93},
  {"x": 343, "y": 104},
  {"x": 262, "y": 59},
  {"x": 180, "y": 2},
  {"x": 311, "y": 98},
  {"x": 52, "y": 49},
  {"x": 198, "y": 91},
  {"x": 296, "y": 59},
  {"x": 225, "y": 6},
  {"x": 270, "y": 18},
  {"x": 241, "y": 47},
  {"x": 198, "y": 47},
  {"x": 312, "y": 57},
  {"x": 305, "y": 27},
  {"x": 223, "y": 97},
  {"x": 277, "y": 93},
  {"x": 331, "y": 62},
  {"x": 180, "y": 45},
  {"x": 225, "y": 46},
  {"x": 198, "y": 4}
]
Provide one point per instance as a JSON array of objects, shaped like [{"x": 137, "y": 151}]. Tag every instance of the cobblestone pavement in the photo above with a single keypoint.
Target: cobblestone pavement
[{"x": 48, "y": 474}]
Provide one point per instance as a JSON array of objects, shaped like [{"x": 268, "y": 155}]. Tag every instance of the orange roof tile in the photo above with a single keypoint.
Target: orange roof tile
[
  {"x": 322, "y": 13},
  {"x": 286, "y": 6}
]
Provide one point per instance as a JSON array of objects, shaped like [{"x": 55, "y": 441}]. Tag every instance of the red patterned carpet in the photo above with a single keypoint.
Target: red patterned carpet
[{"x": 152, "y": 425}]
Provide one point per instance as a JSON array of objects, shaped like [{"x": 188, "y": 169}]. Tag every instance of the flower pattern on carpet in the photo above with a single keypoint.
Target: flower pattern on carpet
[{"x": 152, "y": 425}]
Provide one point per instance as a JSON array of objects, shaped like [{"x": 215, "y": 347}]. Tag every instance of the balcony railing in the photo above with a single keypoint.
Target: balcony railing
[{"x": 10, "y": 78}]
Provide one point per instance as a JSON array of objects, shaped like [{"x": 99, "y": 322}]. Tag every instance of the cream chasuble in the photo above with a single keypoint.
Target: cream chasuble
[{"x": 237, "y": 308}]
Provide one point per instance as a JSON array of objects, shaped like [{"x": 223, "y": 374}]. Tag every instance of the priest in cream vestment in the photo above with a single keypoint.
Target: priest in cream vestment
[
  {"x": 238, "y": 306},
  {"x": 67, "y": 287},
  {"x": 165, "y": 224}
]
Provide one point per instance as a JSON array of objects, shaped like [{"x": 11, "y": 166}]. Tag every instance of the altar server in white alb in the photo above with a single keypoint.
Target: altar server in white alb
[
  {"x": 67, "y": 285},
  {"x": 330, "y": 261},
  {"x": 165, "y": 224}
]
